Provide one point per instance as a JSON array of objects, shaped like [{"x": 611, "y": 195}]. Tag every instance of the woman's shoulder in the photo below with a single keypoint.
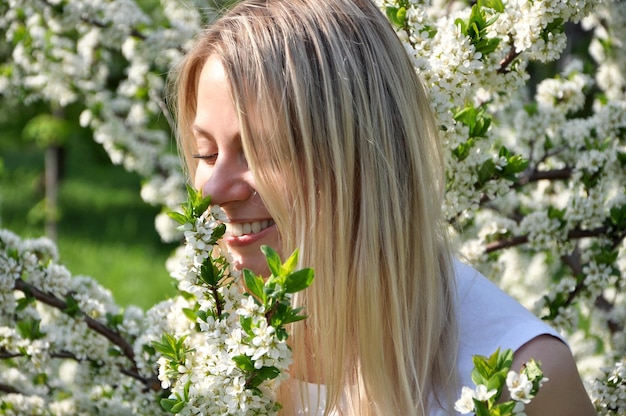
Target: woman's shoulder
[
  {"x": 479, "y": 300},
  {"x": 564, "y": 393},
  {"x": 490, "y": 319}
]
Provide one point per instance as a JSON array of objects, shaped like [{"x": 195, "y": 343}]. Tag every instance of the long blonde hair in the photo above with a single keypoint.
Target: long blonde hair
[{"x": 338, "y": 132}]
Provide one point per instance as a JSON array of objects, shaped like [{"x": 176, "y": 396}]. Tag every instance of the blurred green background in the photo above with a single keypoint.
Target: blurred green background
[{"x": 105, "y": 230}]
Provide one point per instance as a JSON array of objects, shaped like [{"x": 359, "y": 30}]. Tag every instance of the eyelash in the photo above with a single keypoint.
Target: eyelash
[{"x": 205, "y": 157}]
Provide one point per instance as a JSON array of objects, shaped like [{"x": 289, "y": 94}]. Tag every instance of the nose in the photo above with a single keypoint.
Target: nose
[{"x": 228, "y": 181}]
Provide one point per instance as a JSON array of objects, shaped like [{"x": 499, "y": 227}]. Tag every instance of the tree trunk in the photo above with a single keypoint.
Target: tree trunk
[{"x": 53, "y": 170}]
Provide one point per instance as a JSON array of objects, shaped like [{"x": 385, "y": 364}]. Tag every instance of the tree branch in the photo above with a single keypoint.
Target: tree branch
[
  {"x": 152, "y": 382},
  {"x": 86, "y": 19},
  {"x": 537, "y": 175},
  {"x": 9, "y": 389},
  {"x": 522, "y": 239},
  {"x": 93, "y": 324},
  {"x": 504, "y": 64}
]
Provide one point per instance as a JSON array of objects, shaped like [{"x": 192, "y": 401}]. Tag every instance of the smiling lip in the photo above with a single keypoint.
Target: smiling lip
[{"x": 246, "y": 232}]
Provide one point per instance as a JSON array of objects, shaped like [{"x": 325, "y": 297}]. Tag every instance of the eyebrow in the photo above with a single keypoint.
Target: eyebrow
[{"x": 202, "y": 131}]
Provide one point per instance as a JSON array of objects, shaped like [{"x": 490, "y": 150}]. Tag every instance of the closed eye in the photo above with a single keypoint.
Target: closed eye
[{"x": 211, "y": 158}]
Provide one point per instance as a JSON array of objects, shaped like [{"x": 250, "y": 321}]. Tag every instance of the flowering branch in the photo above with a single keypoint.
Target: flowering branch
[
  {"x": 8, "y": 389},
  {"x": 97, "y": 326},
  {"x": 538, "y": 175},
  {"x": 236, "y": 348},
  {"x": 523, "y": 239},
  {"x": 491, "y": 375},
  {"x": 86, "y": 19},
  {"x": 508, "y": 59}
]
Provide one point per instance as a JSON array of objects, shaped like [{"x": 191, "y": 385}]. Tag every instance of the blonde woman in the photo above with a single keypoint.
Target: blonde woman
[{"x": 305, "y": 122}]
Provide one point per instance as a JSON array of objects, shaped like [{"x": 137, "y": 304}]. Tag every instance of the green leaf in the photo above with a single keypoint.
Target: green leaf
[
  {"x": 503, "y": 409},
  {"x": 481, "y": 409},
  {"x": 172, "y": 405},
  {"x": 618, "y": 216},
  {"x": 481, "y": 372},
  {"x": 516, "y": 164},
  {"x": 246, "y": 325},
  {"x": 190, "y": 314},
  {"x": 40, "y": 379},
  {"x": 22, "y": 303},
  {"x": 209, "y": 273},
  {"x": 114, "y": 352},
  {"x": 486, "y": 171},
  {"x": 475, "y": 119},
  {"x": 532, "y": 369},
  {"x": 71, "y": 306},
  {"x": 170, "y": 347},
  {"x": 268, "y": 373},
  {"x": 496, "y": 5},
  {"x": 273, "y": 260},
  {"x": 202, "y": 205},
  {"x": 504, "y": 359},
  {"x": 462, "y": 151},
  {"x": 178, "y": 217},
  {"x": 475, "y": 27},
  {"x": 262, "y": 374},
  {"x": 290, "y": 264},
  {"x": 29, "y": 329},
  {"x": 293, "y": 316},
  {"x": 606, "y": 256},
  {"x": 244, "y": 362},
  {"x": 555, "y": 213},
  {"x": 218, "y": 232},
  {"x": 186, "y": 390},
  {"x": 396, "y": 15},
  {"x": 114, "y": 320},
  {"x": 299, "y": 280},
  {"x": 554, "y": 27},
  {"x": 254, "y": 284}
]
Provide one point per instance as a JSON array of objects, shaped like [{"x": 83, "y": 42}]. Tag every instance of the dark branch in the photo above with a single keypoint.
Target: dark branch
[
  {"x": 152, "y": 382},
  {"x": 93, "y": 324},
  {"x": 504, "y": 64},
  {"x": 9, "y": 389},
  {"x": 86, "y": 19},
  {"x": 537, "y": 175},
  {"x": 522, "y": 239}
]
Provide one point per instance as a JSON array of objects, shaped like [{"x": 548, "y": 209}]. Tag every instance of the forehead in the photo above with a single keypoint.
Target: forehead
[{"x": 215, "y": 113}]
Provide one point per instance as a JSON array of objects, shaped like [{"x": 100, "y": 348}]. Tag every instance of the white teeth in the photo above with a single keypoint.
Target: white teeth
[
  {"x": 239, "y": 229},
  {"x": 235, "y": 229}
]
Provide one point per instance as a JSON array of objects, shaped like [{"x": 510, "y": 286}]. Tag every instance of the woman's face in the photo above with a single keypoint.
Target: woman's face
[{"x": 223, "y": 172}]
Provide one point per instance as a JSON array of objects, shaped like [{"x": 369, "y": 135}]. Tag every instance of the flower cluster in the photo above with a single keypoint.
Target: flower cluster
[
  {"x": 610, "y": 394},
  {"x": 229, "y": 354},
  {"x": 66, "y": 348},
  {"x": 489, "y": 377},
  {"x": 535, "y": 147}
]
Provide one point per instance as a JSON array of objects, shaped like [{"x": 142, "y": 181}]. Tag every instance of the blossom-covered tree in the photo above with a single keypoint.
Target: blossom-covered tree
[{"x": 531, "y": 101}]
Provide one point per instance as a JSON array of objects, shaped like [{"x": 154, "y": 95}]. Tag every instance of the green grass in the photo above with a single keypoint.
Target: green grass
[{"x": 105, "y": 230}]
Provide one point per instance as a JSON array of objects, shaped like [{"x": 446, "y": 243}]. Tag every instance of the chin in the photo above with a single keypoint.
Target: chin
[{"x": 257, "y": 264}]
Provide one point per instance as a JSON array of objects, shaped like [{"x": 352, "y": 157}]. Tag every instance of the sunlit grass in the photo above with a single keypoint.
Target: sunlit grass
[
  {"x": 134, "y": 273},
  {"x": 105, "y": 230}
]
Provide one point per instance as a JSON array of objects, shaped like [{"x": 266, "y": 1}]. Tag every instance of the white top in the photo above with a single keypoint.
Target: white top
[{"x": 488, "y": 319}]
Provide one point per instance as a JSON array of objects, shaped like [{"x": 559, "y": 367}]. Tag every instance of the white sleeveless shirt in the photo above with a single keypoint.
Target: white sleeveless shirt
[{"x": 488, "y": 318}]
